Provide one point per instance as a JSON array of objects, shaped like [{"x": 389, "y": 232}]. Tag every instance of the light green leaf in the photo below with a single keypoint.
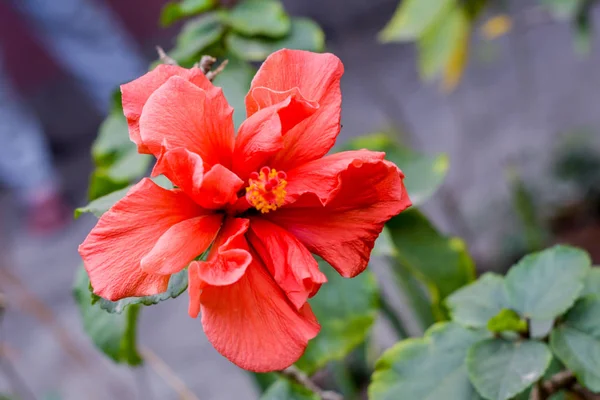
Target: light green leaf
[
  {"x": 304, "y": 35},
  {"x": 102, "y": 204},
  {"x": 432, "y": 367},
  {"x": 413, "y": 18},
  {"x": 576, "y": 342},
  {"x": 174, "y": 11},
  {"x": 501, "y": 369},
  {"x": 259, "y": 17},
  {"x": 545, "y": 284},
  {"x": 178, "y": 283},
  {"x": 196, "y": 35},
  {"x": 438, "y": 45},
  {"x": 507, "y": 320},
  {"x": 474, "y": 305},
  {"x": 283, "y": 389},
  {"x": 564, "y": 9},
  {"x": 346, "y": 310},
  {"x": 113, "y": 334},
  {"x": 113, "y": 138},
  {"x": 591, "y": 284},
  {"x": 442, "y": 262},
  {"x": 235, "y": 81},
  {"x": 423, "y": 174}
]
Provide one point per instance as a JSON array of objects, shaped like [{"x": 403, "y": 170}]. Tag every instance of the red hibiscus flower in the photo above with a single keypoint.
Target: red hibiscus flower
[{"x": 262, "y": 201}]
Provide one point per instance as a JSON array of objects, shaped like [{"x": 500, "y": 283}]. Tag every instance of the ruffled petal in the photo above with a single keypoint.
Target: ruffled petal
[
  {"x": 290, "y": 263},
  {"x": 180, "y": 114},
  {"x": 342, "y": 227},
  {"x": 219, "y": 188},
  {"x": 261, "y": 135},
  {"x": 229, "y": 256},
  {"x": 126, "y": 233},
  {"x": 136, "y": 93},
  {"x": 252, "y": 323},
  {"x": 317, "y": 77},
  {"x": 179, "y": 245},
  {"x": 183, "y": 168}
]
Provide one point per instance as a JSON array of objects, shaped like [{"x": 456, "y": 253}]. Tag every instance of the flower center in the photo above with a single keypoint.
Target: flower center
[{"x": 266, "y": 190}]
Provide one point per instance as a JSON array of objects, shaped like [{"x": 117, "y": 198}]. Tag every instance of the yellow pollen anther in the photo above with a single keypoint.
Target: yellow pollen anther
[{"x": 266, "y": 189}]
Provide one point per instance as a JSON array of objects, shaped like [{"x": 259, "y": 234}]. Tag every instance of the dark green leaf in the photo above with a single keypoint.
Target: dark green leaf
[
  {"x": 545, "y": 284},
  {"x": 259, "y": 17},
  {"x": 576, "y": 342},
  {"x": 235, "y": 81},
  {"x": 501, "y": 369},
  {"x": 346, "y": 310},
  {"x": 102, "y": 185},
  {"x": 440, "y": 261},
  {"x": 177, "y": 285},
  {"x": 413, "y": 18},
  {"x": 113, "y": 334},
  {"x": 283, "y": 389},
  {"x": 423, "y": 174},
  {"x": 174, "y": 11},
  {"x": 113, "y": 138},
  {"x": 304, "y": 35},
  {"x": 591, "y": 286},
  {"x": 475, "y": 304},
  {"x": 507, "y": 320},
  {"x": 196, "y": 35},
  {"x": 429, "y": 368},
  {"x": 438, "y": 45}
]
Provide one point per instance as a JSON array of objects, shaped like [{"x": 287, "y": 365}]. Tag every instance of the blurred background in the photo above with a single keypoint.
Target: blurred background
[{"x": 520, "y": 131}]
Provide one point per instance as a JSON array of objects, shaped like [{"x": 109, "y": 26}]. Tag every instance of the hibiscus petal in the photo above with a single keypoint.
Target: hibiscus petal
[
  {"x": 317, "y": 77},
  {"x": 180, "y": 114},
  {"x": 290, "y": 263},
  {"x": 136, "y": 93},
  {"x": 229, "y": 256},
  {"x": 126, "y": 233},
  {"x": 183, "y": 168},
  {"x": 179, "y": 245},
  {"x": 342, "y": 227},
  {"x": 252, "y": 323},
  {"x": 261, "y": 135},
  {"x": 219, "y": 188}
]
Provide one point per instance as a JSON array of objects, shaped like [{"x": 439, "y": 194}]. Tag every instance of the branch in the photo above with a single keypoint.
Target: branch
[
  {"x": 164, "y": 58},
  {"x": 213, "y": 74},
  {"x": 304, "y": 380},
  {"x": 558, "y": 381},
  {"x": 165, "y": 372}
]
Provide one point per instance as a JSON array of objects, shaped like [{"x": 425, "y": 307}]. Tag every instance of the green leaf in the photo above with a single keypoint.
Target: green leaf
[
  {"x": 346, "y": 310},
  {"x": 102, "y": 204},
  {"x": 196, "y": 35},
  {"x": 413, "y": 18},
  {"x": 259, "y": 17},
  {"x": 113, "y": 138},
  {"x": 507, "y": 320},
  {"x": 591, "y": 284},
  {"x": 438, "y": 45},
  {"x": 235, "y": 81},
  {"x": 564, "y": 9},
  {"x": 177, "y": 285},
  {"x": 429, "y": 368},
  {"x": 576, "y": 342},
  {"x": 545, "y": 284},
  {"x": 474, "y": 305},
  {"x": 113, "y": 334},
  {"x": 304, "y": 35},
  {"x": 424, "y": 174},
  {"x": 500, "y": 369},
  {"x": 283, "y": 389},
  {"x": 174, "y": 11},
  {"x": 101, "y": 184},
  {"x": 442, "y": 262}
]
